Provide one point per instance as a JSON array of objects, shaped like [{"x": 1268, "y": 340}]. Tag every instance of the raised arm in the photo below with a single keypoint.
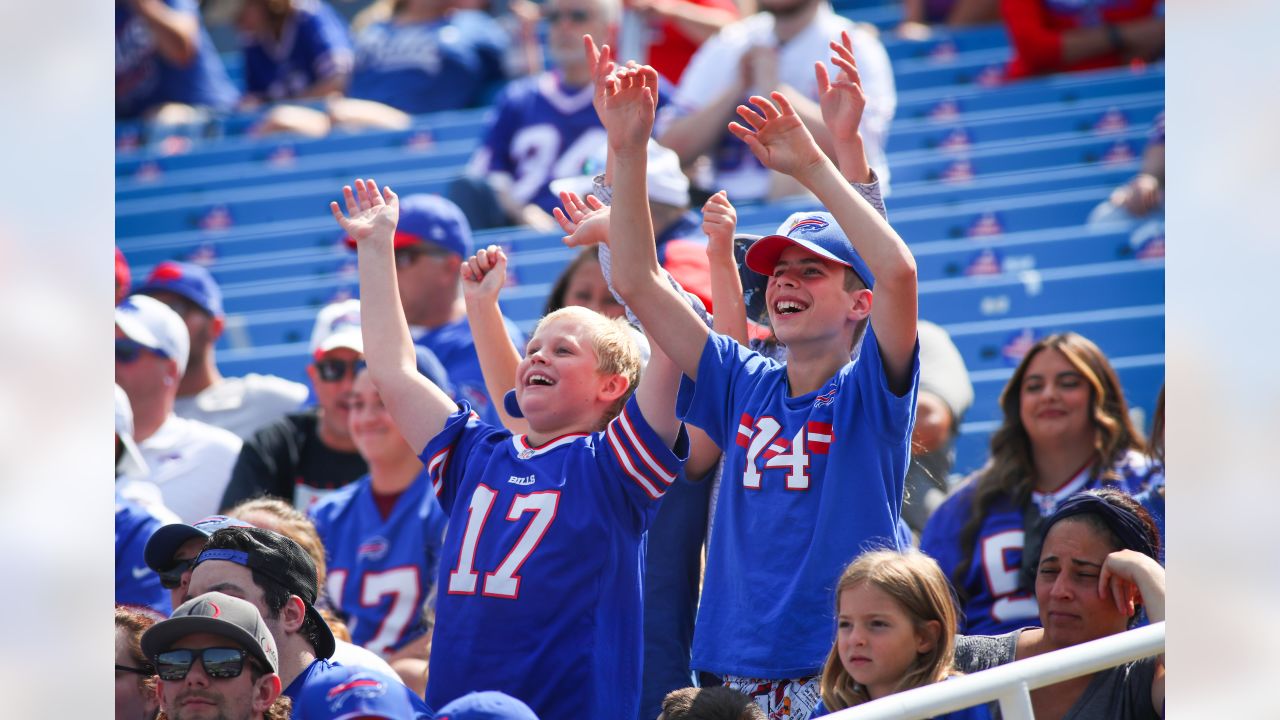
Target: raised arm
[
  {"x": 779, "y": 139},
  {"x": 483, "y": 276},
  {"x": 628, "y": 119},
  {"x": 419, "y": 408},
  {"x": 1123, "y": 573},
  {"x": 719, "y": 221}
]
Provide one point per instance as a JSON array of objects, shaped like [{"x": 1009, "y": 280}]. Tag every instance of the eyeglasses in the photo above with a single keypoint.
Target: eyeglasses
[
  {"x": 128, "y": 351},
  {"x": 145, "y": 670},
  {"x": 220, "y": 663},
  {"x": 172, "y": 578},
  {"x": 333, "y": 370},
  {"x": 574, "y": 16}
]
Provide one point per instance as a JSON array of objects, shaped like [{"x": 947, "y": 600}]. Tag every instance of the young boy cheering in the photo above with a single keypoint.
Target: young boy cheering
[
  {"x": 542, "y": 558},
  {"x": 816, "y": 449}
]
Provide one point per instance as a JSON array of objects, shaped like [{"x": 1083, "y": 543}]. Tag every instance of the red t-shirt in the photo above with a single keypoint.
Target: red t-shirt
[
  {"x": 670, "y": 49},
  {"x": 1036, "y": 28}
]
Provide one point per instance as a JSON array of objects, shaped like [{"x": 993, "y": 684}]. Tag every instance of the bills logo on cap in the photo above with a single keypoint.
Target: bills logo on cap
[
  {"x": 812, "y": 224},
  {"x": 362, "y": 688}
]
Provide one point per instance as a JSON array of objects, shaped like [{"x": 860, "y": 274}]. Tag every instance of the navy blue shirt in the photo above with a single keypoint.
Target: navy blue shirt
[{"x": 146, "y": 80}]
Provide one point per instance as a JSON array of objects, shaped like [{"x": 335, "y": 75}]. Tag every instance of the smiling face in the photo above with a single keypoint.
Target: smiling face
[
  {"x": 807, "y": 298},
  {"x": 559, "y": 384},
  {"x": 1054, "y": 401},
  {"x": 372, "y": 429},
  {"x": 1067, "y": 586},
  {"x": 876, "y": 639}
]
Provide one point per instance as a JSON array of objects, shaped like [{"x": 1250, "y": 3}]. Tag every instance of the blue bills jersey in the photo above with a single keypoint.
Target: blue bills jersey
[
  {"x": 424, "y": 67},
  {"x": 455, "y": 347},
  {"x": 347, "y": 692},
  {"x": 809, "y": 483},
  {"x": 146, "y": 80},
  {"x": 995, "y": 600},
  {"x": 381, "y": 572},
  {"x": 542, "y": 130},
  {"x": 540, "y": 582},
  {"x": 313, "y": 46},
  {"x": 136, "y": 583}
]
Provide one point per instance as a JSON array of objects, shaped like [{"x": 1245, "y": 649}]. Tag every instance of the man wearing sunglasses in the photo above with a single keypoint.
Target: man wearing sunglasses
[
  {"x": 278, "y": 577},
  {"x": 239, "y": 404},
  {"x": 309, "y": 453},
  {"x": 216, "y": 659},
  {"x": 189, "y": 461}
]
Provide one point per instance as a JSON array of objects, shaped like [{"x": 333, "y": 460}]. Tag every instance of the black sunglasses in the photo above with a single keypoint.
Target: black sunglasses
[
  {"x": 145, "y": 671},
  {"x": 170, "y": 579},
  {"x": 577, "y": 16},
  {"x": 220, "y": 663},
  {"x": 127, "y": 351},
  {"x": 333, "y": 370}
]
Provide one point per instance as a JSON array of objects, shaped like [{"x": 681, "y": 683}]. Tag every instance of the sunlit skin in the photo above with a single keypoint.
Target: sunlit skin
[
  {"x": 372, "y": 429},
  {"x": 1072, "y": 610},
  {"x": 558, "y": 384},
  {"x": 334, "y": 401},
  {"x": 876, "y": 639},
  {"x": 564, "y": 38},
  {"x": 1055, "y": 401},
  {"x": 133, "y": 702},
  {"x": 807, "y": 300},
  {"x": 587, "y": 288},
  {"x": 199, "y": 697},
  {"x": 150, "y": 396}
]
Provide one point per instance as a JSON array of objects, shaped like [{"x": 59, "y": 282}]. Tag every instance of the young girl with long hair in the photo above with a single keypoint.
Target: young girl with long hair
[{"x": 895, "y": 630}]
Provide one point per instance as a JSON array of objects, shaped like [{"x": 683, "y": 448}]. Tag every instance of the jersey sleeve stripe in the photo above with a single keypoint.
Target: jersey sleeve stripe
[
  {"x": 620, "y": 451},
  {"x": 624, "y": 419},
  {"x": 436, "y": 468}
]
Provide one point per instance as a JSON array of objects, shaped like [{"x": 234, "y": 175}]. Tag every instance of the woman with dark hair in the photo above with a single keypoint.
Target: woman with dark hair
[
  {"x": 1097, "y": 568},
  {"x": 1066, "y": 428}
]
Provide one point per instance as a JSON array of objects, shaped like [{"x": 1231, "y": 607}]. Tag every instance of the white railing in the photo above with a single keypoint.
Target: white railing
[{"x": 1012, "y": 684}]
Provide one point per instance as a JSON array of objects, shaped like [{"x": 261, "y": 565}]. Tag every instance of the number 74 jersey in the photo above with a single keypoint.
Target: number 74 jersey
[{"x": 540, "y": 575}]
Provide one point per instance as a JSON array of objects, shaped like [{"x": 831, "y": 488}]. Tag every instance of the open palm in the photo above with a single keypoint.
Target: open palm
[
  {"x": 370, "y": 214},
  {"x": 777, "y": 136},
  {"x": 843, "y": 101},
  {"x": 631, "y": 95}
]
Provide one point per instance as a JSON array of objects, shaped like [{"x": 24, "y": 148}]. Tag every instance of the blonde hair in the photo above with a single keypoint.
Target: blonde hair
[
  {"x": 920, "y": 588},
  {"x": 614, "y": 345}
]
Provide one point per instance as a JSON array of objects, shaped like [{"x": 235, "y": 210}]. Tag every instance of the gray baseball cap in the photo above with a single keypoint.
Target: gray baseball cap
[{"x": 219, "y": 614}]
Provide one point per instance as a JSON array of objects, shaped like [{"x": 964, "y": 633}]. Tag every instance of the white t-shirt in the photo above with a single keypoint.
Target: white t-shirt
[
  {"x": 737, "y": 170},
  {"x": 243, "y": 404},
  {"x": 191, "y": 463}
]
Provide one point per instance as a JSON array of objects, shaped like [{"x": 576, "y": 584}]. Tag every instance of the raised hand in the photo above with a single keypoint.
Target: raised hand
[
  {"x": 777, "y": 137},
  {"x": 600, "y": 60},
  {"x": 1122, "y": 577},
  {"x": 843, "y": 101},
  {"x": 585, "y": 222},
  {"x": 484, "y": 274},
  {"x": 719, "y": 221},
  {"x": 371, "y": 216},
  {"x": 631, "y": 95}
]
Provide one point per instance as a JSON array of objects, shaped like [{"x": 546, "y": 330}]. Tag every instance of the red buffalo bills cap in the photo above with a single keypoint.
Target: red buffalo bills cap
[
  {"x": 218, "y": 614},
  {"x": 816, "y": 232},
  {"x": 430, "y": 219}
]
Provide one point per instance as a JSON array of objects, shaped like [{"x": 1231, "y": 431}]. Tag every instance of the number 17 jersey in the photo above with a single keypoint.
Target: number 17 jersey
[{"x": 539, "y": 591}]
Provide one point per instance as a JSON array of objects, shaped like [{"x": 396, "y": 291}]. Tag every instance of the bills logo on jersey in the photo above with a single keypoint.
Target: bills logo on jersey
[
  {"x": 373, "y": 549},
  {"x": 825, "y": 398},
  {"x": 359, "y": 688},
  {"x": 806, "y": 225}
]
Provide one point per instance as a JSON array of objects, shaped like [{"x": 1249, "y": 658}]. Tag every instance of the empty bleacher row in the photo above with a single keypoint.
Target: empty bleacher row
[{"x": 991, "y": 186}]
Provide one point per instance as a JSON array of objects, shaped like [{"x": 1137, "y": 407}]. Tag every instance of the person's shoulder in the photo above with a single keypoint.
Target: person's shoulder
[
  {"x": 337, "y": 503},
  {"x": 273, "y": 385},
  {"x": 520, "y": 90},
  {"x": 210, "y": 436}
]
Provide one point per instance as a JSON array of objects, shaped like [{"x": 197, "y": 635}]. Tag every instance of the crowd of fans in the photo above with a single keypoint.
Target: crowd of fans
[{"x": 696, "y": 490}]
